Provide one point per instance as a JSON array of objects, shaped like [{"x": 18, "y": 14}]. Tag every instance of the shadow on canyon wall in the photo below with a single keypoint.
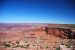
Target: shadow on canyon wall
[{"x": 60, "y": 32}]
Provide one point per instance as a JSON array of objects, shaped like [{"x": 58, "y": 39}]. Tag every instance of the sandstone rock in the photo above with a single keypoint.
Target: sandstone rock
[{"x": 59, "y": 32}]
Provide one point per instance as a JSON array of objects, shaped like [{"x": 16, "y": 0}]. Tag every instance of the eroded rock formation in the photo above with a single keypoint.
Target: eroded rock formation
[{"x": 60, "y": 32}]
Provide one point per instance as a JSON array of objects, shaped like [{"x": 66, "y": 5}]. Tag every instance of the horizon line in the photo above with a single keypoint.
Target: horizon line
[{"x": 31, "y": 23}]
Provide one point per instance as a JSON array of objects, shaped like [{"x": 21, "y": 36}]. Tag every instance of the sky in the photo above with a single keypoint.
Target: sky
[{"x": 37, "y": 11}]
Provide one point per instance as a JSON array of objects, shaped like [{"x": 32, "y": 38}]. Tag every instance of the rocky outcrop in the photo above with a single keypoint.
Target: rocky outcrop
[{"x": 60, "y": 32}]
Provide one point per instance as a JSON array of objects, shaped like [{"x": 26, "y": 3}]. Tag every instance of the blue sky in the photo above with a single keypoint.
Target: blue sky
[{"x": 37, "y": 11}]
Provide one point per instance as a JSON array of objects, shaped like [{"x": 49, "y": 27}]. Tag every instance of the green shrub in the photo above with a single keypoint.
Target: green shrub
[
  {"x": 7, "y": 45},
  {"x": 58, "y": 48}
]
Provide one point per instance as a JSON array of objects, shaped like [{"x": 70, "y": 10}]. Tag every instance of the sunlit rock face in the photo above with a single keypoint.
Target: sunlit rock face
[
  {"x": 38, "y": 37},
  {"x": 60, "y": 32}
]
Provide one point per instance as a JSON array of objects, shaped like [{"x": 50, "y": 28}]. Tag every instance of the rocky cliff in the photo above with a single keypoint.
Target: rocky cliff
[{"x": 60, "y": 32}]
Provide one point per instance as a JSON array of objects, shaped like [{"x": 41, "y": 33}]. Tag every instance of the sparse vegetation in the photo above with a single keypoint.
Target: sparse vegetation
[
  {"x": 48, "y": 38},
  {"x": 58, "y": 48},
  {"x": 7, "y": 45},
  {"x": 17, "y": 42}
]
